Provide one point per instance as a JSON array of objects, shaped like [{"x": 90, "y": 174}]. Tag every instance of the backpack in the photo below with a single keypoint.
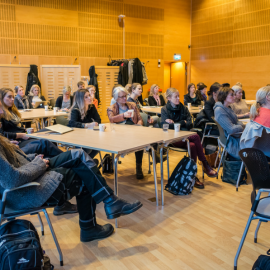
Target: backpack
[
  {"x": 263, "y": 262},
  {"x": 107, "y": 162},
  {"x": 231, "y": 168},
  {"x": 20, "y": 246},
  {"x": 182, "y": 179}
]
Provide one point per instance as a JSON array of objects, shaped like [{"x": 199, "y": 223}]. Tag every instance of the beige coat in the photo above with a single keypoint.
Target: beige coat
[{"x": 115, "y": 117}]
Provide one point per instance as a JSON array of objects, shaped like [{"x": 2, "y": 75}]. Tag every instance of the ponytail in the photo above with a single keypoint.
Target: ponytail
[{"x": 255, "y": 110}]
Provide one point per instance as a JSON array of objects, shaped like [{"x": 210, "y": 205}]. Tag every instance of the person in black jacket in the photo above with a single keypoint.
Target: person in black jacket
[
  {"x": 154, "y": 98},
  {"x": 65, "y": 101},
  {"x": 210, "y": 103},
  {"x": 192, "y": 96},
  {"x": 175, "y": 112},
  {"x": 83, "y": 114},
  {"x": 10, "y": 128}
]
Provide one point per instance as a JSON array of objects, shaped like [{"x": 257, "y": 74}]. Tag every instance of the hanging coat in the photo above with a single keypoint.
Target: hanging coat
[
  {"x": 93, "y": 81},
  {"x": 32, "y": 78},
  {"x": 137, "y": 71}
]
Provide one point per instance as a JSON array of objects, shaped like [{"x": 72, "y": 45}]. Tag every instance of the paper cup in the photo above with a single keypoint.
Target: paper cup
[
  {"x": 46, "y": 108},
  {"x": 189, "y": 105},
  {"x": 177, "y": 127},
  {"x": 132, "y": 112},
  {"x": 102, "y": 127},
  {"x": 55, "y": 109},
  {"x": 29, "y": 130}
]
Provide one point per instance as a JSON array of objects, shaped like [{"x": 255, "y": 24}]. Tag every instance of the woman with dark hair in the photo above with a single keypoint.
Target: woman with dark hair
[
  {"x": 228, "y": 120},
  {"x": 72, "y": 173},
  {"x": 210, "y": 103},
  {"x": 192, "y": 96},
  {"x": 202, "y": 88}
]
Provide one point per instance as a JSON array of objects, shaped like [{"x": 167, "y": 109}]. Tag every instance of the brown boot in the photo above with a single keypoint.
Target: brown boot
[
  {"x": 208, "y": 169},
  {"x": 198, "y": 183}
]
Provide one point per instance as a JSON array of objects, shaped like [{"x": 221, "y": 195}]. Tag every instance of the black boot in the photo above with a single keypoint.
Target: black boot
[
  {"x": 116, "y": 207},
  {"x": 96, "y": 232},
  {"x": 139, "y": 172},
  {"x": 65, "y": 208}
]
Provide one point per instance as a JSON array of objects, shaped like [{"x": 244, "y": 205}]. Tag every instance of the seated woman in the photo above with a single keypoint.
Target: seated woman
[
  {"x": 243, "y": 92},
  {"x": 202, "y": 89},
  {"x": 21, "y": 101},
  {"x": 256, "y": 133},
  {"x": 113, "y": 100},
  {"x": 35, "y": 96},
  {"x": 135, "y": 92},
  {"x": 192, "y": 96},
  {"x": 228, "y": 120},
  {"x": 239, "y": 106},
  {"x": 65, "y": 101},
  {"x": 83, "y": 114},
  {"x": 70, "y": 174},
  {"x": 92, "y": 92},
  {"x": 118, "y": 113},
  {"x": 155, "y": 99},
  {"x": 10, "y": 119},
  {"x": 175, "y": 112}
]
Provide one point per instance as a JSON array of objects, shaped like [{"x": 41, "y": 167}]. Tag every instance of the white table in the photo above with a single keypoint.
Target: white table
[
  {"x": 123, "y": 140},
  {"x": 157, "y": 110},
  {"x": 245, "y": 120},
  {"x": 249, "y": 102},
  {"x": 40, "y": 114}
]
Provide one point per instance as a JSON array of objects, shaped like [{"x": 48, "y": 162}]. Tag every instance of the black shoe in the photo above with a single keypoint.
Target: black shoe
[
  {"x": 198, "y": 183},
  {"x": 66, "y": 208},
  {"x": 116, "y": 207},
  {"x": 139, "y": 172},
  {"x": 97, "y": 232}
]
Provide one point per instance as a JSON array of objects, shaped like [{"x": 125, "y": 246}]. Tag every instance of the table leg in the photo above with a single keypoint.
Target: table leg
[
  {"x": 161, "y": 175},
  {"x": 168, "y": 163},
  {"x": 116, "y": 182},
  {"x": 188, "y": 147},
  {"x": 155, "y": 173}
]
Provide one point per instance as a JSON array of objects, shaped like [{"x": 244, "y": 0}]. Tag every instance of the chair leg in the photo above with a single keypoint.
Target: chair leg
[
  {"x": 257, "y": 230},
  {"x": 168, "y": 164},
  {"x": 41, "y": 224},
  {"x": 149, "y": 162},
  {"x": 223, "y": 152},
  {"x": 217, "y": 156},
  {"x": 202, "y": 139},
  {"x": 239, "y": 175},
  {"x": 100, "y": 156},
  {"x": 54, "y": 237},
  {"x": 242, "y": 240}
]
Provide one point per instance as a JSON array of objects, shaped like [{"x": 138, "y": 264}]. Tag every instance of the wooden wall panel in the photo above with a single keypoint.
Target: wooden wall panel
[
  {"x": 84, "y": 32},
  {"x": 227, "y": 37}
]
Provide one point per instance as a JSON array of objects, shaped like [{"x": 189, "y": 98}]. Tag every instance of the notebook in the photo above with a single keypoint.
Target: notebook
[{"x": 59, "y": 129}]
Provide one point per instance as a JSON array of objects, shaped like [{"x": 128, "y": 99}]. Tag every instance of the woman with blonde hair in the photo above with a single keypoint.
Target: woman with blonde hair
[
  {"x": 175, "y": 112},
  {"x": 260, "y": 121},
  {"x": 65, "y": 101},
  {"x": 154, "y": 98},
  {"x": 239, "y": 106},
  {"x": 35, "y": 96}
]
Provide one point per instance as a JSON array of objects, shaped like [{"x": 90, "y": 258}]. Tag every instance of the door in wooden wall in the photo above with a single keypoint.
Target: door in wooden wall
[
  {"x": 179, "y": 78},
  {"x": 13, "y": 75},
  {"x": 55, "y": 77}
]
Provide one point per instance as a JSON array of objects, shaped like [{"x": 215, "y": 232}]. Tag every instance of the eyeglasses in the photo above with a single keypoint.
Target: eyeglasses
[
  {"x": 232, "y": 94},
  {"x": 122, "y": 96}
]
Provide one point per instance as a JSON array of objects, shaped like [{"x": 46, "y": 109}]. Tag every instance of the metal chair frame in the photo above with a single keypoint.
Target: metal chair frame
[{"x": 7, "y": 214}]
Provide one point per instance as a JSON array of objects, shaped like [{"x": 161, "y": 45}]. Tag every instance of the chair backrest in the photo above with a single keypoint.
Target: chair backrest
[
  {"x": 222, "y": 136},
  {"x": 257, "y": 166},
  {"x": 62, "y": 120},
  {"x": 146, "y": 101},
  {"x": 262, "y": 143}
]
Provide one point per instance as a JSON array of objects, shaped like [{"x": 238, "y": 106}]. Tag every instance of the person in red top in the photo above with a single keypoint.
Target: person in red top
[
  {"x": 92, "y": 91},
  {"x": 260, "y": 111}
]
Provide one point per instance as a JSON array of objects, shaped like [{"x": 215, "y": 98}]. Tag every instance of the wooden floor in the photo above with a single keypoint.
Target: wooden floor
[{"x": 198, "y": 231}]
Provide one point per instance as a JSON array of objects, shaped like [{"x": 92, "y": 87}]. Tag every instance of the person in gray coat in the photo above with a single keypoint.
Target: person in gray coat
[
  {"x": 69, "y": 174},
  {"x": 228, "y": 120}
]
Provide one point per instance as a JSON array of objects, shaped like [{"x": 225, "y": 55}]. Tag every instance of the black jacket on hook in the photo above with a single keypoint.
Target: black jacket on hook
[
  {"x": 137, "y": 71},
  {"x": 32, "y": 78},
  {"x": 93, "y": 81}
]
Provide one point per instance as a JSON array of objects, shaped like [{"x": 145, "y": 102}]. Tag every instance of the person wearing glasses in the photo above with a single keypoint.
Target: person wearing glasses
[
  {"x": 65, "y": 101},
  {"x": 228, "y": 120},
  {"x": 92, "y": 92},
  {"x": 120, "y": 113}
]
